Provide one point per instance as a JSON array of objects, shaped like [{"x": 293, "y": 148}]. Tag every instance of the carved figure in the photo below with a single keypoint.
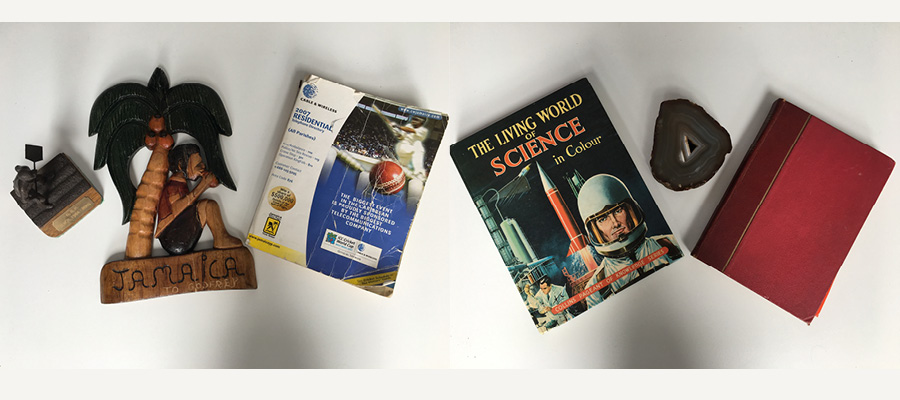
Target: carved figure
[
  {"x": 31, "y": 187},
  {"x": 128, "y": 116},
  {"x": 181, "y": 217}
]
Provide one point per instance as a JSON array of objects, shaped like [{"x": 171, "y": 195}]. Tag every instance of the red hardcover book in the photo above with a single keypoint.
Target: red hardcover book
[{"x": 793, "y": 210}]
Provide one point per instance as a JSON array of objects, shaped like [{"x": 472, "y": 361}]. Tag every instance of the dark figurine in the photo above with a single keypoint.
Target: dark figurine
[
  {"x": 55, "y": 196},
  {"x": 129, "y": 116},
  {"x": 31, "y": 187}
]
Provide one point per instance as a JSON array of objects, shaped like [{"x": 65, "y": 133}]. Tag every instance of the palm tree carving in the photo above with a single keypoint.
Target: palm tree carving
[{"x": 128, "y": 116}]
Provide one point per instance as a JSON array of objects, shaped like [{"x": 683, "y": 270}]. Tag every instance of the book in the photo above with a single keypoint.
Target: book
[
  {"x": 346, "y": 182},
  {"x": 570, "y": 215},
  {"x": 793, "y": 210}
]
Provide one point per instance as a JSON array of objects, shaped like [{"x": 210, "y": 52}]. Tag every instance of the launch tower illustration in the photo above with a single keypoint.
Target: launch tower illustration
[{"x": 515, "y": 249}]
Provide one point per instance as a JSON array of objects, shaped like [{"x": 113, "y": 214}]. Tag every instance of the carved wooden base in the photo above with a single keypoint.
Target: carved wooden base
[
  {"x": 144, "y": 278},
  {"x": 73, "y": 213}
]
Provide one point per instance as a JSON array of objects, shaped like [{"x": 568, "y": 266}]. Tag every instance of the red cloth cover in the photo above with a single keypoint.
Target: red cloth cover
[{"x": 794, "y": 208}]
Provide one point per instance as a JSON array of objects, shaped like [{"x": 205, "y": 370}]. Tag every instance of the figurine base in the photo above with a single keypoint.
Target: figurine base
[
  {"x": 145, "y": 278},
  {"x": 72, "y": 197}
]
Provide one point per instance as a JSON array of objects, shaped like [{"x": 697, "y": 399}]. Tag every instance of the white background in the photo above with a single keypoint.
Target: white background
[{"x": 454, "y": 304}]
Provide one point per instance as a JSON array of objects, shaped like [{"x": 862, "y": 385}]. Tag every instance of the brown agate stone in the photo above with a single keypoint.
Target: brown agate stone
[{"x": 689, "y": 146}]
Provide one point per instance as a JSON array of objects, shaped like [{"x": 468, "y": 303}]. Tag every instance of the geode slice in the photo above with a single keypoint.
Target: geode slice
[{"x": 689, "y": 146}]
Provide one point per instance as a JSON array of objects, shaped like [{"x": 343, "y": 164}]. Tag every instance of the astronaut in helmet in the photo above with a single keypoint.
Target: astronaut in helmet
[{"x": 616, "y": 228}]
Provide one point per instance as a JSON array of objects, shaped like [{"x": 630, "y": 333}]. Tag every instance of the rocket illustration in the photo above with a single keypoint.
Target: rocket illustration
[{"x": 576, "y": 238}]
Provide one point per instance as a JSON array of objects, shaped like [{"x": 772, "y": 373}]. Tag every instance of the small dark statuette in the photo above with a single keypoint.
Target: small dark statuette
[
  {"x": 56, "y": 196},
  {"x": 689, "y": 146}
]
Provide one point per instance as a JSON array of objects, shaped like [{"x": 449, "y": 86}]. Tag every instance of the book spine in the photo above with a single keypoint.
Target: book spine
[
  {"x": 703, "y": 249},
  {"x": 747, "y": 190}
]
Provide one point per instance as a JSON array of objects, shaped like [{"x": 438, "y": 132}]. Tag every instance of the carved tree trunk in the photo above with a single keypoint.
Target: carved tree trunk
[{"x": 143, "y": 217}]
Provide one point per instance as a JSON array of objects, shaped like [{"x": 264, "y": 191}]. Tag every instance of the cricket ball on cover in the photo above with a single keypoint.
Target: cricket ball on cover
[{"x": 387, "y": 177}]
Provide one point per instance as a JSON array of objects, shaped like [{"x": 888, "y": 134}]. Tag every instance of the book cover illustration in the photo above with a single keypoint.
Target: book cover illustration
[
  {"x": 346, "y": 183},
  {"x": 565, "y": 206}
]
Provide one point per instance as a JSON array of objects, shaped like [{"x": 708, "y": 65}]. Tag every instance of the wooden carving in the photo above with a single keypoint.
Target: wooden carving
[
  {"x": 130, "y": 280},
  {"x": 129, "y": 116}
]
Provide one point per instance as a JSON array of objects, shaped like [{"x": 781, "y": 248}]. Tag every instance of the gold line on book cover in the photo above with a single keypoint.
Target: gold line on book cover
[{"x": 763, "y": 199}]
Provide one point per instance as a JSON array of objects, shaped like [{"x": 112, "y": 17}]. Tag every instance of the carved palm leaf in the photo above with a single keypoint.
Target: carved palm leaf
[
  {"x": 197, "y": 110},
  {"x": 121, "y": 114},
  {"x": 120, "y": 118}
]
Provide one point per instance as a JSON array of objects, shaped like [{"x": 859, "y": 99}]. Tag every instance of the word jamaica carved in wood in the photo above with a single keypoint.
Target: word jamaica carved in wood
[{"x": 128, "y": 116}]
